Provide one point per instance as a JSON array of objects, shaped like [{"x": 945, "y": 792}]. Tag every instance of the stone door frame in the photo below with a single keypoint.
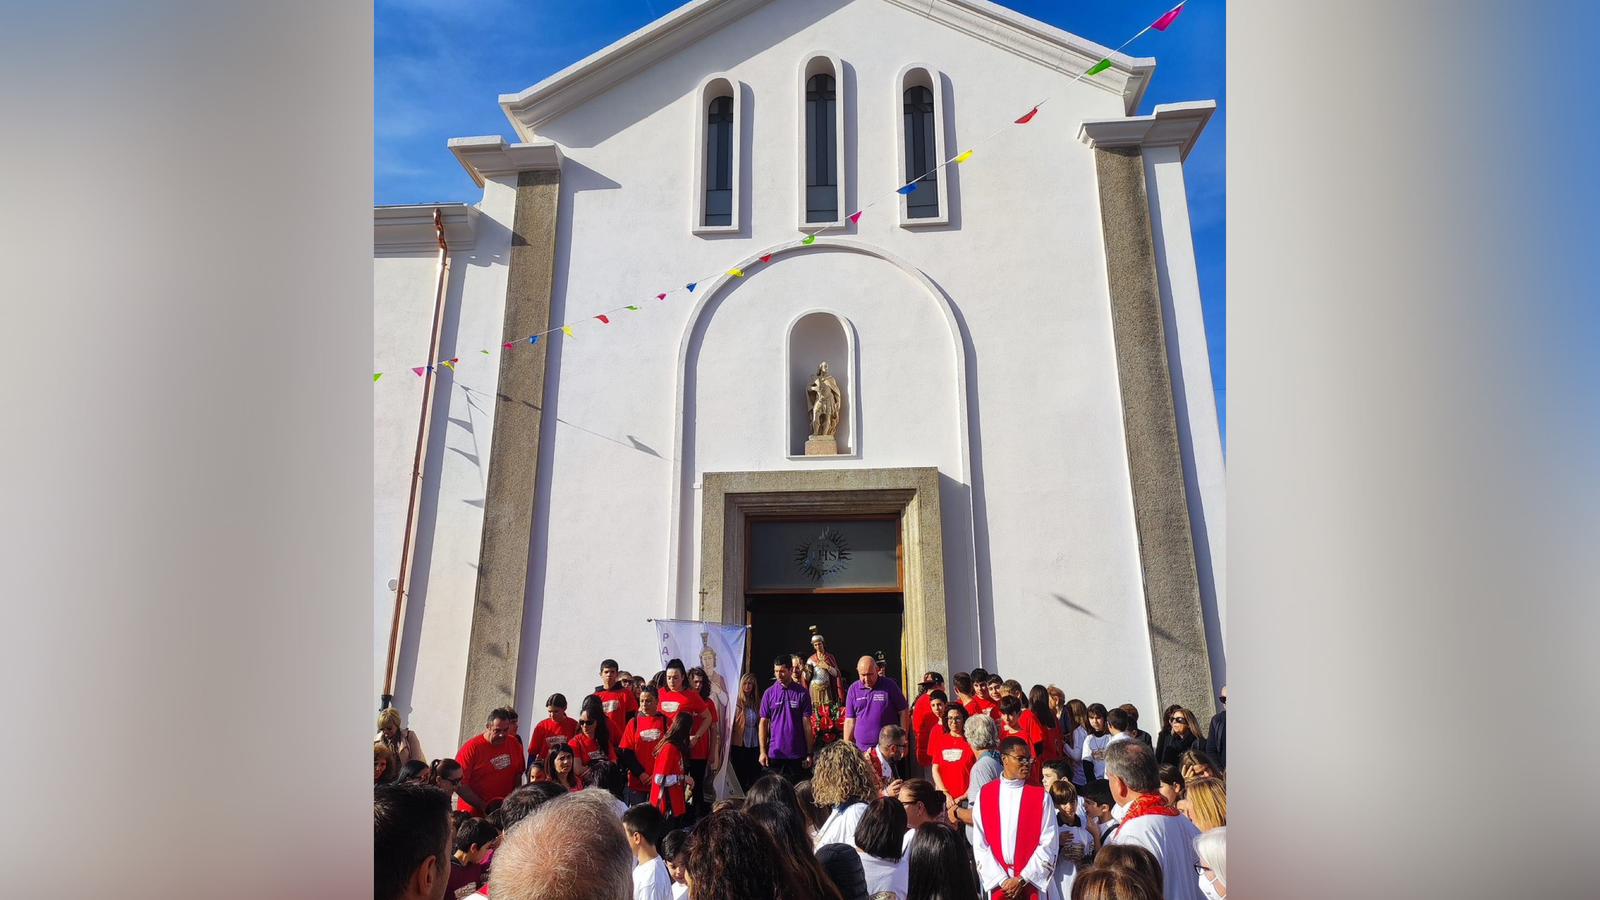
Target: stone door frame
[{"x": 729, "y": 499}]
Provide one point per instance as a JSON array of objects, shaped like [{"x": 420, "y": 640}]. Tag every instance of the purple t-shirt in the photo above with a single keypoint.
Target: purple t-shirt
[
  {"x": 873, "y": 709},
  {"x": 786, "y": 707}
]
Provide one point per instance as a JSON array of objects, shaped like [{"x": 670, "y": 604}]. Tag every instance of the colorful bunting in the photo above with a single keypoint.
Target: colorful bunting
[
  {"x": 418, "y": 370},
  {"x": 450, "y": 363},
  {"x": 907, "y": 189},
  {"x": 1162, "y": 23},
  {"x": 1099, "y": 67},
  {"x": 509, "y": 345},
  {"x": 767, "y": 258},
  {"x": 566, "y": 330},
  {"x": 1029, "y": 117},
  {"x": 810, "y": 239},
  {"x": 376, "y": 376},
  {"x": 691, "y": 285},
  {"x": 737, "y": 273},
  {"x": 634, "y": 308},
  {"x": 603, "y": 320},
  {"x": 856, "y": 216},
  {"x": 963, "y": 157},
  {"x": 533, "y": 340}
]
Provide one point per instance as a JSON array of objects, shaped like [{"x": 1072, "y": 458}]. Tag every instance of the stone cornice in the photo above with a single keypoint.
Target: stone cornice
[
  {"x": 409, "y": 229},
  {"x": 1169, "y": 125},
  {"x": 982, "y": 20},
  {"x": 490, "y": 156}
]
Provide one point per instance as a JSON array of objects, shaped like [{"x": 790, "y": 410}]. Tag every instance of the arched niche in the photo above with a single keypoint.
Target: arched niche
[{"x": 814, "y": 337}]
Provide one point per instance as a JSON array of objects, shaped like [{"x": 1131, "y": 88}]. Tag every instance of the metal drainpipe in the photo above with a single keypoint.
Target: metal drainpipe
[{"x": 424, "y": 422}]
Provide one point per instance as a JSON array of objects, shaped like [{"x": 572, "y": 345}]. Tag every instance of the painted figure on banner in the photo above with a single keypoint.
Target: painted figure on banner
[
  {"x": 825, "y": 400},
  {"x": 719, "y": 697},
  {"x": 826, "y": 683}
]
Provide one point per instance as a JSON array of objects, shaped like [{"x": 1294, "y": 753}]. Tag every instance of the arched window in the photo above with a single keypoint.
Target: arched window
[
  {"x": 822, "y": 162},
  {"x": 718, "y": 167},
  {"x": 921, "y": 156},
  {"x": 920, "y": 143},
  {"x": 719, "y": 162}
]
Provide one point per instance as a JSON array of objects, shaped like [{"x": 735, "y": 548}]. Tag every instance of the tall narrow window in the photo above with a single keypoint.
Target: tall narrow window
[
  {"x": 719, "y": 162},
  {"x": 923, "y": 203},
  {"x": 822, "y": 164}
]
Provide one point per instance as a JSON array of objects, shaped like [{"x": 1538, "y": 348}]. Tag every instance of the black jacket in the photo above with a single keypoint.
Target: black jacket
[
  {"x": 1171, "y": 747},
  {"x": 1217, "y": 739}
]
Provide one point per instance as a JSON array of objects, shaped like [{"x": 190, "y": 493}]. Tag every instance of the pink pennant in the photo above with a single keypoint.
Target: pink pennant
[
  {"x": 509, "y": 345},
  {"x": 1162, "y": 23},
  {"x": 661, "y": 296},
  {"x": 418, "y": 370},
  {"x": 856, "y": 216}
]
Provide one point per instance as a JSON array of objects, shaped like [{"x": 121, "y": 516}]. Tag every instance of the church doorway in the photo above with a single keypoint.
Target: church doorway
[{"x": 843, "y": 575}]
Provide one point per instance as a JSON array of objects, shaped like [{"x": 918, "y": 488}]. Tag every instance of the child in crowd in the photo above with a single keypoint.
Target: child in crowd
[
  {"x": 645, "y": 826},
  {"x": 474, "y": 840},
  {"x": 1171, "y": 785},
  {"x": 1074, "y": 833},
  {"x": 672, "y": 846},
  {"x": 1097, "y": 804},
  {"x": 1093, "y": 750}
]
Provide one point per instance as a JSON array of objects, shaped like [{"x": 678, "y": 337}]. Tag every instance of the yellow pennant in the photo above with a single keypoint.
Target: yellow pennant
[
  {"x": 737, "y": 273},
  {"x": 566, "y": 330},
  {"x": 963, "y": 157}
]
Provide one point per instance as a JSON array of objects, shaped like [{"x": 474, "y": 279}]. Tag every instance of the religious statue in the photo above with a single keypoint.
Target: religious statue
[
  {"x": 826, "y": 677},
  {"x": 825, "y": 401}
]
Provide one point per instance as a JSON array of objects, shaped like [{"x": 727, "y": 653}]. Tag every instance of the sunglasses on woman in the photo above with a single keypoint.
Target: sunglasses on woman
[{"x": 585, "y": 723}]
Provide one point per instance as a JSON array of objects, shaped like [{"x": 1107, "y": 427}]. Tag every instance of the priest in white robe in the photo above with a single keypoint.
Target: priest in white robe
[
  {"x": 1148, "y": 821},
  {"x": 1017, "y": 819}
]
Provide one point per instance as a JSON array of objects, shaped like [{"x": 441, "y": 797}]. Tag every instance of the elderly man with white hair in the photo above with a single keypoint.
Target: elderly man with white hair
[
  {"x": 571, "y": 848},
  {"x": 1212, "y": 850}
]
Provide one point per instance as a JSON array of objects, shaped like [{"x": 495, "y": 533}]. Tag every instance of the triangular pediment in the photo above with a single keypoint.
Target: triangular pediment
[{"x": 984, "y": 21}]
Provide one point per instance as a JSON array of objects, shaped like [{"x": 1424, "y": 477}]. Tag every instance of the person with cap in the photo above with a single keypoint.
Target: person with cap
[{"x": 827, "y": 679}]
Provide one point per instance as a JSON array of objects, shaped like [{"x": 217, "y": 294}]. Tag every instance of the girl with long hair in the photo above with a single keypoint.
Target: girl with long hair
[
  {"x": 1205, "y": 802},
  {"x": 802, "y": 876},
  {"x": 1182, "y": 734},
  {"x": 669, "y": 769},
  {"x": 745, "y": 753},
  {"x": 1074, "y": 728},
  {"x": 594, "y": 741},
  {"x": 1045, "y": 715},
  {"x": 1196, "y": 763},
  {"x": 937, "y": 867},
  {"x": 880, "y": 840},
  {"x": 562, "y": 767}
]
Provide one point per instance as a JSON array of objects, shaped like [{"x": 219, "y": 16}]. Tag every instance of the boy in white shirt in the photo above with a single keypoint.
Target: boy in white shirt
[
  {"x": 1074, "y": 834},
  {"x": 672, "y": 854},
  {"x": 644, "y": 825}
]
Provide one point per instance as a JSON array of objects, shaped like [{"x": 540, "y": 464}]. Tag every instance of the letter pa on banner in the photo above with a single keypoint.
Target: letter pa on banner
[{"x": 719, "y": 649}]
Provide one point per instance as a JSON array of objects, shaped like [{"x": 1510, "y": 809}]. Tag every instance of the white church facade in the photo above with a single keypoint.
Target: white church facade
[{"x": 1026, "y": 472}]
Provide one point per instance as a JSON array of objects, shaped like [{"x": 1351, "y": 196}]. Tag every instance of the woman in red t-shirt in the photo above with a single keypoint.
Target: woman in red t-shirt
[
  {"x": 669, "y": 770},
  {"x": 1039, "y": 707},
  {"x": 593, "y": 740},
  {"x": 953, "y": 758}
]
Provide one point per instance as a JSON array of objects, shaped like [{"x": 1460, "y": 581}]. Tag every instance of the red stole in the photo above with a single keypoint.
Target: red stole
[
  {"x": 878, "y": 765},
  {"x": 1031, "y": 813}
]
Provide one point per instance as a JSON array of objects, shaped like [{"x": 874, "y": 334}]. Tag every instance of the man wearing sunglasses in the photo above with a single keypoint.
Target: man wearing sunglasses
[{"x": 1015, "y": 834}]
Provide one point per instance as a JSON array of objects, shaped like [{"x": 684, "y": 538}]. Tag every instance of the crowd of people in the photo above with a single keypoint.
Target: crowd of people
[{"x": 983, "y": 790}]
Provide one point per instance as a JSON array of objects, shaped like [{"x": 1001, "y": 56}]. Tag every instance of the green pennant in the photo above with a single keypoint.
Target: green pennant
[
  {"x": 810, "y": 239},
  {"x": 376, "y": 376},
  {"x": 1099, "y": 67},
  {"x": 634, "y": 308}
]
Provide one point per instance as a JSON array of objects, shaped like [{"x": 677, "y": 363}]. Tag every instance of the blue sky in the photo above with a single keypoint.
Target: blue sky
[{"x": 441, "y": 66}]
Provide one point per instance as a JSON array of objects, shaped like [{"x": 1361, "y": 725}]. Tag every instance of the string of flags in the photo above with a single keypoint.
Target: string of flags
[{"x": 604, "y": 318}]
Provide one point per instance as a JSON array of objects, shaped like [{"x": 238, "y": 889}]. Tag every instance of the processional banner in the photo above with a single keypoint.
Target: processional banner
[{"x": 719, "y": 649}]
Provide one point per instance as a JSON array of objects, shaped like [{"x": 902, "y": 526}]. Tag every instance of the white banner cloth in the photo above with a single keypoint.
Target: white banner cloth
[{"x": 719, "y": 649}]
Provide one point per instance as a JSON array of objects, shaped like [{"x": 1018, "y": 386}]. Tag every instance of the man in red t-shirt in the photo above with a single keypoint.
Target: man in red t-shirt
[
  {"x": 678, "y": 699},
  {"x": 638, "y": 744},
  {"x": 491, "y": 763},
  {"x": 618, "y": 702},
  {"x": 924, "y": 722},
  {"x": 560, "y": 728}
]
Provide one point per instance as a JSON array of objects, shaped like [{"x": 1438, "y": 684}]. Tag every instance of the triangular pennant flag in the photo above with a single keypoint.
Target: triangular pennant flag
[
  {"x": 450, "y": 363},
  {"x": 376, "y": 376},
  {"x": 661, "y": 296},
  {"x": 963, "y": 157},
  {"x": 566, "y": 330},
  {"x": 908, "y": 188},
  {"x": 856, "y": 216},
  {"x": 484, "y": 352},
  {"x": 430, "y": 369},
  {"x": 737, "y": 273},
  {"x": 533, "y": 340},
  {"x": 691, "y": 285},
  {"x": 1162, "y": 23},
  {"x": 509, "y": 345},
  {"x": 634, "y": 308},
  {"x": 1099, "y": 67},
  {"x": 810, "y": 239},
  {"x": 418, "y": 370},
  {"x": 1031, "y": 113},
  {"x": 767, "y": 258},
  {"x": 603, "y": 320}
]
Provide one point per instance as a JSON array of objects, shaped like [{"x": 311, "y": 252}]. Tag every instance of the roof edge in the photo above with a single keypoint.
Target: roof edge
[
  {"x": 1169, "y": 125},
  {"x": 487, "y": 156}
]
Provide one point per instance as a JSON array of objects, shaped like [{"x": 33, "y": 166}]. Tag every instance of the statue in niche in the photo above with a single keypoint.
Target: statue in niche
[{"x": 825, "y": 401}]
